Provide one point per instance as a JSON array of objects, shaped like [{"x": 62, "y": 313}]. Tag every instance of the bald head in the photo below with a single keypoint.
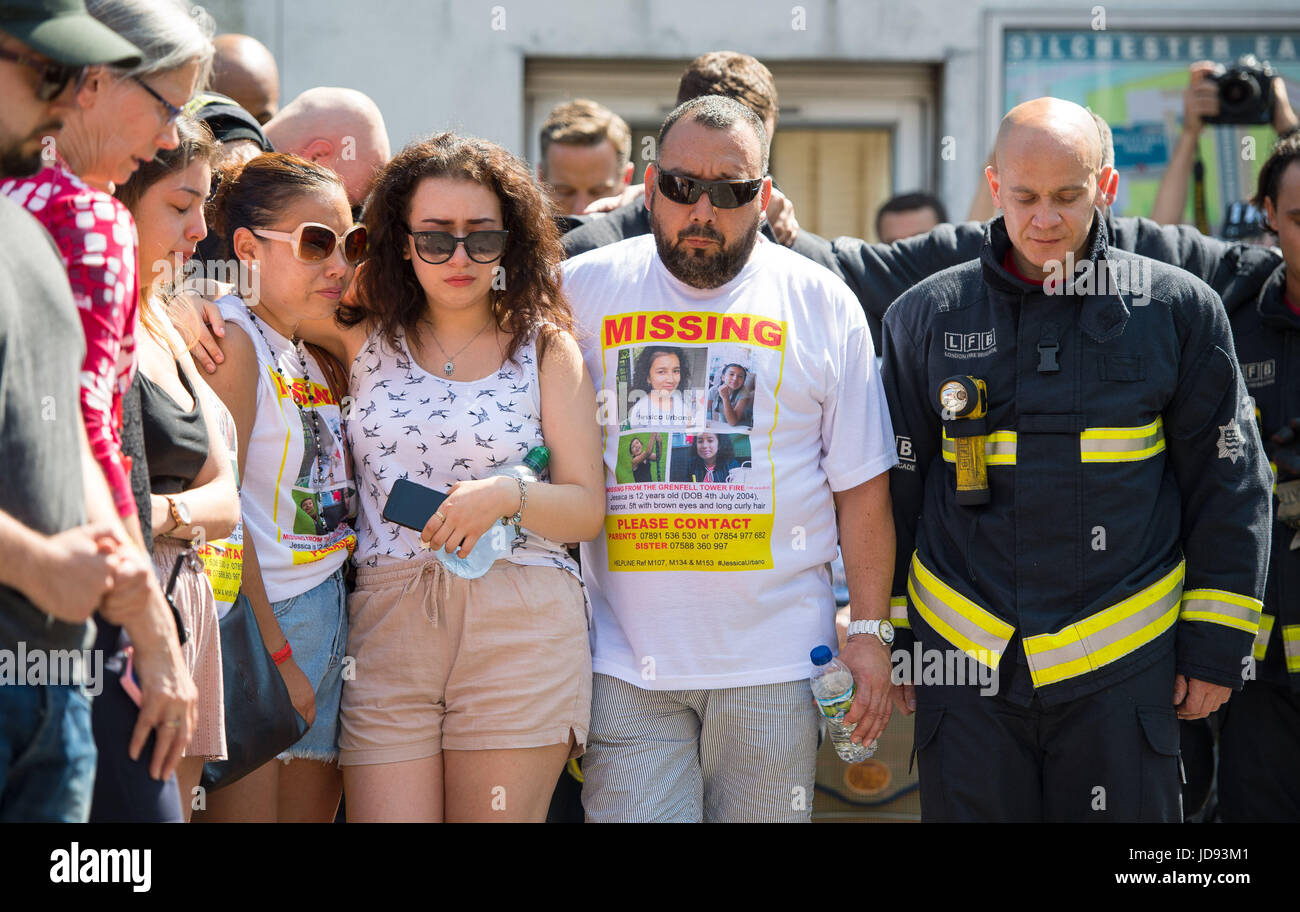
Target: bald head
[
  {"x": 245, "y": 70},
  {"x": 339, "y": 128},
  {"x": 1048, "y": 177},
  {"x": 1049, "y": 122}
]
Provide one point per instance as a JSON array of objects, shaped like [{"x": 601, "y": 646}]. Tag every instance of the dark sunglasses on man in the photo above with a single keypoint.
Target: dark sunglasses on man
[
  {"x": 437, "y": 247},
  {"x": 54, "y": 76},
  {"x": 314, "y": 243},
  {"x": 723, "y": 194}
]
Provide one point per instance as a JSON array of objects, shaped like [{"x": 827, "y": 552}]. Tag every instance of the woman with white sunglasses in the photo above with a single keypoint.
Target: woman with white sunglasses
[{"x": 288, "y": 222}]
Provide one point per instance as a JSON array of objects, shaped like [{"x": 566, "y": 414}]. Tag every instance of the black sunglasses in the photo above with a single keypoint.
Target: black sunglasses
[
  {"x": 435, "y": 247},
  {"x": 723, "y": 194},
  {"x": 54, "y": 76}
]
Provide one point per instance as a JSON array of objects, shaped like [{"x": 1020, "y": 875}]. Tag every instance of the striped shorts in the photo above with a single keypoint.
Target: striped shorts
[{"x": 738, "y": 754}]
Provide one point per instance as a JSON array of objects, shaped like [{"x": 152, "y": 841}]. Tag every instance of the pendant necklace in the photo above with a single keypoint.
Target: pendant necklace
[{"x": 450, "y": 367}]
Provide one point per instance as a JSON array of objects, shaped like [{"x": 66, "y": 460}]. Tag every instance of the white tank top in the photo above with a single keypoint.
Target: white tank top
[
  {"x": 407, "y": 423},
  {"x": 295, "y": 502}
]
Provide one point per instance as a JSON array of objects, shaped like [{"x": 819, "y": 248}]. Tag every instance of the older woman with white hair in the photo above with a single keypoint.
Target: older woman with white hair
[{"x": 123, "y": 117}]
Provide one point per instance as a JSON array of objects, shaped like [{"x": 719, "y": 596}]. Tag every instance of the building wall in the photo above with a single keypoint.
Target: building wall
[{"x": 459, "y": 64}]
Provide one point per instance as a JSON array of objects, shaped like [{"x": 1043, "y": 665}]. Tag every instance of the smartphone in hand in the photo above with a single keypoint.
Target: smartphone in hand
[{"x": 411, "y": 505}]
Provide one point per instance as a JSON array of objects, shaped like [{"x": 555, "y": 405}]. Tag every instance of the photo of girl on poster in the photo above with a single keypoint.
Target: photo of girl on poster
[
  {"x": 661, "y": 394},
  {"x": 642, "y": 458},
  {"x": 731, "y": 396},
  {"x": 706, "y": 457}
]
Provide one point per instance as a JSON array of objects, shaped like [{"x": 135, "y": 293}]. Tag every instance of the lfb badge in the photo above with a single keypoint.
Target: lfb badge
[{"x": 1232, "y": 445}]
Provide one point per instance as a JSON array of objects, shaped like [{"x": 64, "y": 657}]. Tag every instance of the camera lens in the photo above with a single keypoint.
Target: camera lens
[{"x": 1238, "y": 91}]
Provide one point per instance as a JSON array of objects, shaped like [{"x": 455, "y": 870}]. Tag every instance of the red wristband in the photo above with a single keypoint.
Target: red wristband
[{"x": 283, "y": 653}]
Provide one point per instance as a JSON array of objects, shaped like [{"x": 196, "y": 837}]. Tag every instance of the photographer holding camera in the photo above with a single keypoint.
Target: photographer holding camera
[{"x": 1239, "y": 95}]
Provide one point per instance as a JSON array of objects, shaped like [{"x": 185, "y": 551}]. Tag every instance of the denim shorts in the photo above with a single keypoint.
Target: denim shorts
[
  {"x": 316, "y": 626},
  {"x": 47, "y": 754}
]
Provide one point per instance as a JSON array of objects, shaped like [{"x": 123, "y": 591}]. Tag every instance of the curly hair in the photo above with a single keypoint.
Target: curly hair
[
  {"x": 641, "y": 372},
  {"x": 388, "y": 289}
]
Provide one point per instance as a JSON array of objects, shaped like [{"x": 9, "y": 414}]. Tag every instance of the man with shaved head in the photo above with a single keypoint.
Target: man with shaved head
[
  {"x": 341, "y": 129},
  {"x": 245, "y": 70},
  {"x": 879, "y": 273},
  {"x": 1082, "y": 502}
]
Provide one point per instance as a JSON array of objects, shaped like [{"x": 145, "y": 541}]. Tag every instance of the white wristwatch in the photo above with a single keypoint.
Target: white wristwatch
[{"x": 882, "y": 630}]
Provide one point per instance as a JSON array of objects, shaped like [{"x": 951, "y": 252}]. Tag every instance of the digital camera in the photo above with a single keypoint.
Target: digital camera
[{"x": 1245, "y": 93}]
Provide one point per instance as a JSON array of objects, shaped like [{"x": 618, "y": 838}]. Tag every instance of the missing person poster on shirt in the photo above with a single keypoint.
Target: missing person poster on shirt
[
  {"x": 323, "y": 496},
  {"x": 692, "y": 418}
]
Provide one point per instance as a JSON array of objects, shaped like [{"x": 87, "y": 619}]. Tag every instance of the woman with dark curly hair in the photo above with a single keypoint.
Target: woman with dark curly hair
[{"x": 461, "y": 360}]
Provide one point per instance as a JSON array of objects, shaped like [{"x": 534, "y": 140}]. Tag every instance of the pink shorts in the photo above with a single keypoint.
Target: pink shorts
[{"x": 443, "y": 662}]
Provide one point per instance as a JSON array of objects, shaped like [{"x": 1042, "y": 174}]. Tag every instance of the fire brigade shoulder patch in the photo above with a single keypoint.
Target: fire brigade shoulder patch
[
  {"x": 970, "y": 345},
  {"x": 1232, "y": 445}
]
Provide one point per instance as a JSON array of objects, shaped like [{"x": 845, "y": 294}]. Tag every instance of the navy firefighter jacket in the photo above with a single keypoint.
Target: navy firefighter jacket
[
  {"x": 1129, "y": 494},
  {"x": 1267, "y": 335}
]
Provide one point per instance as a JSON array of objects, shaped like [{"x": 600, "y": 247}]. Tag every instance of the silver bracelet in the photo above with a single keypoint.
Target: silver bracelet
[{"x": 518, "y": 519}]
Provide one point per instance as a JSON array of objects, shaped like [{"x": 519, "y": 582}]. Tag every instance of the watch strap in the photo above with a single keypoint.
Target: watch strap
[
  {"x": 858, "y": 627},
  {"x": 171, "y": 508}
]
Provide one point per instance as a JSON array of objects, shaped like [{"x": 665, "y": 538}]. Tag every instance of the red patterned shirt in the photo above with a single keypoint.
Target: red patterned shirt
[{"x": 96, "y": 235}]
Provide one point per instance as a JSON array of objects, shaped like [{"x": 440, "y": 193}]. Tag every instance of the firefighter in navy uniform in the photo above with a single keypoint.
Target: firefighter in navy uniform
[
  {"x": 1103, "y": 547},
  {"x": 1259, "y": 735}
]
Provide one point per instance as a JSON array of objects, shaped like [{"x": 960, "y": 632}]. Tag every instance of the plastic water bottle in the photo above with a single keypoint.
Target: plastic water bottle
[
  {"x": 832, "y": 685},
  {"x": 496, "y": 541}
]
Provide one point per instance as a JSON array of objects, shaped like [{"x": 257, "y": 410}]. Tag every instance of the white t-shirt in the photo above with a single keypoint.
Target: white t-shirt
[
  {"x": 698, "y": 585},
  {"x": 295, "y": 499}
]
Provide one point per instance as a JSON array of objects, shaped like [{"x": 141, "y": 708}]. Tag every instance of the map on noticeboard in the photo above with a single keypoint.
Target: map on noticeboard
[{"x": 1135, "y": 80}]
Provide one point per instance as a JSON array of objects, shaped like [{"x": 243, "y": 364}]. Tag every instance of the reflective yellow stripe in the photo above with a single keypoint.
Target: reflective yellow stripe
[
  {"x": 978, "y": 633},
  {"x": 1219, "y": 607},
  {"x": 999, "y": 448},
  {"x": 1110, "y": 634},
  {"x": 1095, "y": 445},
  {"x": 898, "y": 612},
  {"x": 1261, "y": 638},
  {"x": 1122, "y": 444},
  {"x": 1291, "y": 646}
]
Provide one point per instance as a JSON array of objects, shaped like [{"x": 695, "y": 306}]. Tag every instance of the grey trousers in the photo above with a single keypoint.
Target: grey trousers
[{"x": 739, "y": 754}]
